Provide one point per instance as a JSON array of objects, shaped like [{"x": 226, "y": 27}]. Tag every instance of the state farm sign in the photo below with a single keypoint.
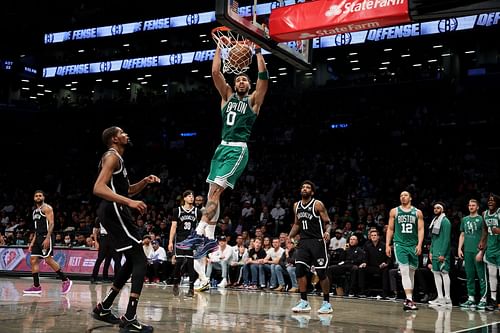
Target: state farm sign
[{"x": 326, "y": 17}]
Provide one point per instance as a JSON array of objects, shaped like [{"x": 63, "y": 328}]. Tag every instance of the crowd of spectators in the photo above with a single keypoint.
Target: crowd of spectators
[{"x": 429, "y": 138}]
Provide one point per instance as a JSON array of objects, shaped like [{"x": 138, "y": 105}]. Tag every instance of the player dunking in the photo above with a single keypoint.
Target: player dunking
[
  {"x": 113, "y": 186},
  {"x": 313, "y": 226},
  {"x": 406, "y": 225},
  {"x": 239, "y": 110},
  {"x": 42, "y": 244},
  {"x": 184, "y": 221}
]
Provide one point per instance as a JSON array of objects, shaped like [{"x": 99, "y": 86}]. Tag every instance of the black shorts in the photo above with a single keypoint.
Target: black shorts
[
  {"x": 37, "y": 249},
  {"x": 312, "y": 252},
  {"x": 119, "y": 223}
]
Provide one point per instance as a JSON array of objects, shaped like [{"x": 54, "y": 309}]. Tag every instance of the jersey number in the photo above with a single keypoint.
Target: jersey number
[
  {"x": 304, "y": 225},
  {"x": 231, "y": 117},
  {"x": 187, "y": 225},
  {"x": 406, "y": 228}
]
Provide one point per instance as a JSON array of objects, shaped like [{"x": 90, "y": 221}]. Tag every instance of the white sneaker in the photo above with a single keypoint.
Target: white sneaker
[
  {"x": 222, "y": 284},
  {"x": 447, "y": 302},
  {"x": 438, "y": 302}
]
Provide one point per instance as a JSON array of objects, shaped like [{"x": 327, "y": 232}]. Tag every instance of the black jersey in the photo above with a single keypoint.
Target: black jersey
[
  {"x": 311, "y": 226},
  {"x": 186, "y": 221},
  {"x": 40, "y": 221},
  {"x": 119, "y": 182}
]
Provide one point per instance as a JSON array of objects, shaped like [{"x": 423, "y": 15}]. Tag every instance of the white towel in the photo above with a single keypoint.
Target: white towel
[{"x": 436, "y": 224}]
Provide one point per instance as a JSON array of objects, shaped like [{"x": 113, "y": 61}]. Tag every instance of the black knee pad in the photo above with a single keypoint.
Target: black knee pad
[{"x": 301, "y": 270}]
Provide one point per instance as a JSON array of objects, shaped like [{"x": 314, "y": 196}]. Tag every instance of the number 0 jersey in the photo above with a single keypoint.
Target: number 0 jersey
[
  {"x": 186, "y": 221},
  {"x": 311, "y": 226},
  {"x": 237, "y": 119},
  {"x": 406, "y": 227}
]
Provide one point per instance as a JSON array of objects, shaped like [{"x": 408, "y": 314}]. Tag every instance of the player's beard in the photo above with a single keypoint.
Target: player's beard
[
  {"x": 129, "y": 143},
  {"x": 306, "y": 196}
]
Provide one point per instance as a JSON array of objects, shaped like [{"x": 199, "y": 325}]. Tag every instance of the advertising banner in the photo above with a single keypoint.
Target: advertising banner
[{"x": 72, "y": 261}]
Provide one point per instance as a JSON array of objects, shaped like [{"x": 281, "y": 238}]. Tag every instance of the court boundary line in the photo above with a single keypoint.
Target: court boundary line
[{"x": 476, "y": 327}]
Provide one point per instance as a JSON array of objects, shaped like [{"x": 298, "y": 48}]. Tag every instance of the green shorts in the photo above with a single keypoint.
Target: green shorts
[
  {"x": 441, "y": 266},
  {"x": 492, "y": 258},
  {"x": 405, "y": 255},
  {"x": 229, "y": 161}
]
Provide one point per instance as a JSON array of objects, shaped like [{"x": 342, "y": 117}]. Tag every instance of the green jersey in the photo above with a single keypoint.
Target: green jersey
[
  {"x": 406, "y": 227},
  {"x": 440, "y": 243},
  {"x": 492, "y": 220},
  {"x": 472, "y": 227},
  {"x": 237, "y": 119}
]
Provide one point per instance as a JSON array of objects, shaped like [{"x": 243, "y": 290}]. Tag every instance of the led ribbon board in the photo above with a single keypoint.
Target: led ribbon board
[{"x": 359, "y": 37}]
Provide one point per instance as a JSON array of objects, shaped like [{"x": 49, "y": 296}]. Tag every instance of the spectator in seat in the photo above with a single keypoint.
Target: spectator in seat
[
  {"x": 377, "y": 263},
  {"x": 220, "y": 259}
]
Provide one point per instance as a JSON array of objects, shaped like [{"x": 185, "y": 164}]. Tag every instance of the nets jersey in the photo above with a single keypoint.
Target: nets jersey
[
  {"x": 186, "y": 222},
  {"x": 40, "y": 221},
  {"x": 492, "y": 220},
  {"x": 311, "y": 226},
  {"x": 119, "y": 182},
  {"x": 237, "y": 119},
  {"x": 406, "y": 227}
]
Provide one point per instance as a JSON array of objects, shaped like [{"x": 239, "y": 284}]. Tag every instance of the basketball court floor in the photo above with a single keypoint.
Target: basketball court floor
[{"x": 221, "y": 311}]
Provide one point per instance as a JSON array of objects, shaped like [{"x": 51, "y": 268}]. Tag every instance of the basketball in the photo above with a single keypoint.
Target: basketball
[{"x": 240, "y": 55}]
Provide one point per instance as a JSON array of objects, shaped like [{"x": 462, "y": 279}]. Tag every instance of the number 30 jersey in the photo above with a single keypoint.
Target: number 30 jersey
[
  {"x": 186, "y": 222},
  {"x": 406, "y": 227},
  {"x": 311, "y": 226},
  {"x": 237, "y": 119}
]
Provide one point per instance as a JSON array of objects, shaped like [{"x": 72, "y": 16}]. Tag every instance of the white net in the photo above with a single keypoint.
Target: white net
[{"x": 236, "y": 50}]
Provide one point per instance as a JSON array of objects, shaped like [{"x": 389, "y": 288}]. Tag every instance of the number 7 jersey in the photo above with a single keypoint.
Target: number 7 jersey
[
  {"x": 406, "y": 227},
  {"x": 237, "y": 119}
]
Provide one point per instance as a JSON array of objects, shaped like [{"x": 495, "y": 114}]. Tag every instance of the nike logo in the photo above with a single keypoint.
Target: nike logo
[
  {"x": 138, "y": 327},
  {"x": 103, "y": 314}
]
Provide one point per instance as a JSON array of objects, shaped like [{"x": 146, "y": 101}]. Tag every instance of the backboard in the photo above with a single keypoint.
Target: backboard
[{"x": 249, "y": 19}]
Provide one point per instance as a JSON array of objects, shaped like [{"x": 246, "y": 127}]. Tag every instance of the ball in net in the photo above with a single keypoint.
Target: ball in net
[{"x": 240, "y": 55}]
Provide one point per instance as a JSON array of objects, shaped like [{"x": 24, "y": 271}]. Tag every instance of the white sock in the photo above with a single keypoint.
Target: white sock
[
  {"x": 200, "y": 229},
  {"x": 406, "y": 281},
  {"x": 210, "y": 231},
  {"x": 412, "y": 276},
  {"x": 199, "y": 267},
  {"x": 439, "y": 284},
  {"x": 492, "y": 272},
  {"x": 446, "y": 283},
  {"x": 471, "y": 298}
]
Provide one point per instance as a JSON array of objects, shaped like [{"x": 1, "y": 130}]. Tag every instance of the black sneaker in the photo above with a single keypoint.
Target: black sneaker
[
  {"x": 175, "y": 289},
  {"x": 190, "y": 293},
  {"x": 107, "y": 316},
  {"x": 133, "y": 325},
  {"x": 93, "y": 281}
]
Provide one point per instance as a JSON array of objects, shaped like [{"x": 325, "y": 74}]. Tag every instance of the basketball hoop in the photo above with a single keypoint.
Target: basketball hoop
[{"x": 236, "y": 50}]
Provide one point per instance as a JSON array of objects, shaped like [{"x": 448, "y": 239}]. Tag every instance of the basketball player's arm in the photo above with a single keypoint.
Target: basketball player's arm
[
  {"x": 327, "y": 225},
  {"x": 257, "y": 97},
  {"x": 109, "y": 164},
  {"x": 295, "y": 226},
  {"x": 461, "y": 245},
  {"x": 420, "y": 217},
  {"x": 139, "y": 186},
  {"x": 484, "y": 237},
  {"x": 49, "y": 214},
  {"x": 95, "y": 232},
  {"x": 173, "y": 230},
  {"x": 223, "y": 88},
  {"x": 390, "y": 232}
]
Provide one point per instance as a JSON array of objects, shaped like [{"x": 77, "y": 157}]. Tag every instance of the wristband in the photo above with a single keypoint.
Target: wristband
[
  {"x": 263, "y": 75},
  {"x": 258, "y": 50}
]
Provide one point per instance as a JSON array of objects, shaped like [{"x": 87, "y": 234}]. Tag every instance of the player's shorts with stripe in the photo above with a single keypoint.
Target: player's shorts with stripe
[
  {"x": 37, "y": 248},
  {"x": 312, "y": 252},
  {"x": 492, "y": 257},
  {"x": 119, "y": 223},
  {"x": 405, "y": 255},
  {"x": 228, "y": 163},
  {"x": 441, "y": 266}
]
